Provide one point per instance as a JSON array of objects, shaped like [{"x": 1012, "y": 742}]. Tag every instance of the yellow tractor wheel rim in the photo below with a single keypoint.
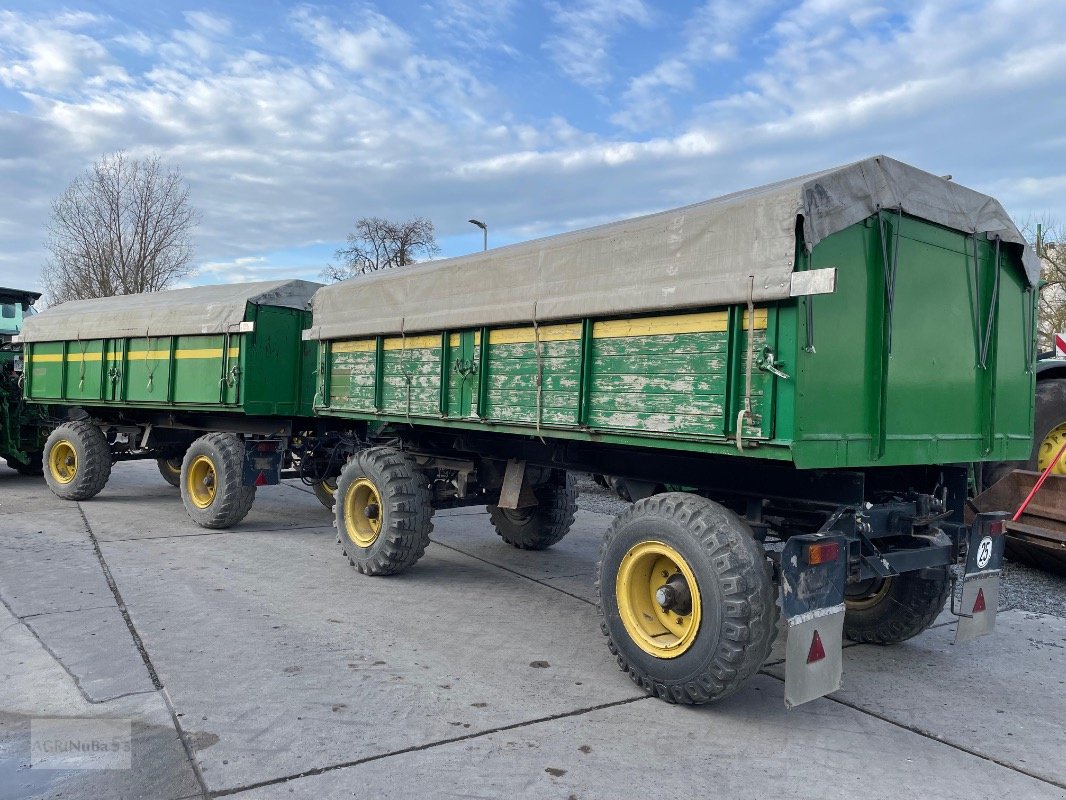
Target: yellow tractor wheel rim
[
  {"x": 330, "y": 486},
  {"x": 63, "y": 461},
  {"x": 661, "y": 631},
  {"x": 173, "y": 466},
  {"x": 201, "y": 482},
  {"x": 870, "y": 600},
  {"x": 362, "y": 512},
  {"x": 1050, "y": 447}
]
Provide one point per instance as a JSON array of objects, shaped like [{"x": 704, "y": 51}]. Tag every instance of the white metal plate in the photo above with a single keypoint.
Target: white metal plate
[
  {"x": 984, "y": 622},
  {"x": 814, "y": 281},
  {"x": 805, "y": 682}
]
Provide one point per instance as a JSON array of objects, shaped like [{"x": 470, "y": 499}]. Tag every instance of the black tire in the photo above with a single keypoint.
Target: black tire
[
  {"x": 539, "y": 527},
  {"x": 84, "y": 471},
  {"x": 326, "y": 491},
  {"x": 35, "y": 466},
  {"x": 383, "y": 511},
  {"x": 170, "y": 469},
  {"x": 215, "y": 495},
  {"x": 738, "y": 607},
  {"x": 892, "y": 610},
  {"x": 1050, "y": 414}
]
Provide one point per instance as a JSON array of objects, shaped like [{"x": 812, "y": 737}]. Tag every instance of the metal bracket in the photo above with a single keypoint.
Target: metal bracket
[
  {"x": 464, "y": 367},
  {"x": 766, "y": 363},
  {"x": 513, "y": 478}
]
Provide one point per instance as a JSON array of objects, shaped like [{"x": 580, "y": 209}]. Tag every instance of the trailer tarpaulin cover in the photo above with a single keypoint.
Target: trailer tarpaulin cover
[
  {"x": 177, "y": 312},
  {"x": 708, "y": 254}
]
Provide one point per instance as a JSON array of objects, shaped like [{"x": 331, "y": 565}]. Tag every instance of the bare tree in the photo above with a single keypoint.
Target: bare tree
[
  {"x": 1051, "y": 308},
  {"x": 121, "y": 227},
  {"x": 380, "y": 243}
]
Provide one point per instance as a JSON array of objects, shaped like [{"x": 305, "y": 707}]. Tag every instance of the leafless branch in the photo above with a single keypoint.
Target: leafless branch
[
  {"x": 122, "y": 227},
  {"x": 378, "y": 243}
]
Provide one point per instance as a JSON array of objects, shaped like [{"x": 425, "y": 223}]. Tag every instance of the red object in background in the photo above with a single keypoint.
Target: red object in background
[{"x": 1039, "y": 483}]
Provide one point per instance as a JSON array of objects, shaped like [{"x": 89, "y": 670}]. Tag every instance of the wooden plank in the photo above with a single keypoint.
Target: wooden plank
[
  {"x": 659, "y": 363},
  {"x": 662, "y": 423},
  {"x": 709, "y": 343},
  {"x": 528, "y": 399},
  {"x": 549, "y": 416}
]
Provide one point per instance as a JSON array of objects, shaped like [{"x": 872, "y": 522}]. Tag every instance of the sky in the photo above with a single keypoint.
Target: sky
[{"x": 292, "y": 120}]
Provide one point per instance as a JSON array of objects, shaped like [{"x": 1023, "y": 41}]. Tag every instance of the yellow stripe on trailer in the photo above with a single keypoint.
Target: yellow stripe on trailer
[
  {"x": 355, "y": 346},
  {"x": 151, "y": 355},
  {"x": 547, "y": 333},
  {"x": 708, "y": 322},
  {"x": 412, "y": 342}
]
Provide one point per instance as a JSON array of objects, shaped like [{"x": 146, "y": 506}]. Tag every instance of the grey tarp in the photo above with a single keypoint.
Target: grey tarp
[
  {"x": 707, "y": 254},
  {"x": 201, "y": 309}
]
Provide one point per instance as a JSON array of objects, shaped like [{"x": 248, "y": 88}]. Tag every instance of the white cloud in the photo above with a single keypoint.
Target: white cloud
[
  {"x": 376, "y": 42},
  {"x": 359, "y": 115},
  {"x": 580, "y": 49},
  {"x": 714, "y": 32},
  {"x": 51, "y": 56},
  {"x": 477, "y": 25}
]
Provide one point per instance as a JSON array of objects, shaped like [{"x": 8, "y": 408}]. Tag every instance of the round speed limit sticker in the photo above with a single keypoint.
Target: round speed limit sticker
[{"x": 984, "y": 552}]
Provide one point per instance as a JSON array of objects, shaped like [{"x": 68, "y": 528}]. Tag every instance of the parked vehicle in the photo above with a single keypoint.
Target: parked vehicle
[
  {"x": 814, "y": 359},
  {"x": 1038, "y": 536},
  {"x": 23, "y": 425},
  {"x": 210, "y": 382}
]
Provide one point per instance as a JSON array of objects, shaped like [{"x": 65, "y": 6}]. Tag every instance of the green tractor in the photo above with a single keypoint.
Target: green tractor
[{"x": 23, "y": 426}]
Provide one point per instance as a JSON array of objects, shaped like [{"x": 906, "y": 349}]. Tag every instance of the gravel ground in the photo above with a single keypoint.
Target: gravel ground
[{"x": 1023, "y": 587}]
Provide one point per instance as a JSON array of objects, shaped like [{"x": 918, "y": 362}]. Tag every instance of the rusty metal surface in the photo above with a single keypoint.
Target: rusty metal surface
[{"x": 1039, "y": 536}]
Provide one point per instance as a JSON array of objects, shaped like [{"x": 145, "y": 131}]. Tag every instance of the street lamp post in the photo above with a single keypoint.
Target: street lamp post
[{"x": 484, "y": 230}]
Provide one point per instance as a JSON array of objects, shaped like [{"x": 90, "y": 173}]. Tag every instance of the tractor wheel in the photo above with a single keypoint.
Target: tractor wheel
[
  {"x": 326, "y": 491},
  {"x": 383, "y": 511},
  {"x": 1049, "y": 429},
  {"x": 540, "y": 526},
  {"x": 35, "y": 466},
  {"x": 212, "y": 481},
  {"x": 892, "y": 610},
  {"x": 687, "y": 598},
  {"x": 77, "y": 460},
  {"x": 170, "y": 469},
  {"x": 1049, "y": 434}
]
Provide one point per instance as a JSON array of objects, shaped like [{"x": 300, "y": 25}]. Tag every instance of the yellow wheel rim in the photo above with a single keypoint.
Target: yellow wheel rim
[
  {"x": 1050, "y": 447},
  {"x": 63, "y": 461},
  {"x": 200, "y": 482},
  {"x": 330, "y": 486},
  {"x": 870, "y": 600},
  {"x": 362, "y": 512},
  {"x": 173, "y": 465},
  {"x": 650, "y": 573}
]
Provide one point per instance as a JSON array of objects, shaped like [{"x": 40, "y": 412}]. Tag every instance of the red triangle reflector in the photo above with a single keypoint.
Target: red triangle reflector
[
  {"x": 979, "y": 603},
  {"x": 817, "y": 652},
  {"x": 261, "y": 480}
]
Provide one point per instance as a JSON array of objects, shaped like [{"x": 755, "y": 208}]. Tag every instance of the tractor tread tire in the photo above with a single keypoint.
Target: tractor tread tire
[
  {"x": 94, "y": 460},
  {"x": 1049, "y": 414},
  {"x": 327, "y": 498},
  {"x": 232, "y": 500},
  {"x": 406, "y": 508},
  {"x": 911, "y": 605},
  {"x": 167, "y": 473},
  {"x": 548, "y": 522},
  {"x": 749, "y": 600}
]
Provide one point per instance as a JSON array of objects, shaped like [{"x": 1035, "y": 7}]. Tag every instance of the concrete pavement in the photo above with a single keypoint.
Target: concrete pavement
[{"x": 256, "y": 663}]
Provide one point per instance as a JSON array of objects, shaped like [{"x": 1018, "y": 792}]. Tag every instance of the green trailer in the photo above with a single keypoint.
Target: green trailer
[
  {"x": 182, "y": 377},
  {"x": 819, "y": 360},
  {"x": 23, "y": 426}
]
